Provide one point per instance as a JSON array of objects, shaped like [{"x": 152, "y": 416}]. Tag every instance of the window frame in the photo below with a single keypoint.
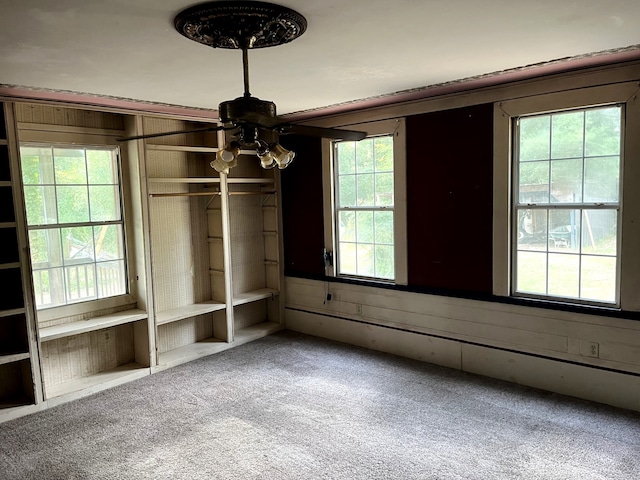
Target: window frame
[
  {"x": 396, "y": 128},
  {"x": 66, "y": 137},
  {"x": 624, "y": 94}
]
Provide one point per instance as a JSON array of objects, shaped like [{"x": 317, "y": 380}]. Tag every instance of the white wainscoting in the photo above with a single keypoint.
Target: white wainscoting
[{"x": 538, "y": 347}]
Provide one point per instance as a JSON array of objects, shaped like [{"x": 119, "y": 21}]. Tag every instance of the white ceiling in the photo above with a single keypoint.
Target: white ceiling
[{"x": 352, "y": 49}]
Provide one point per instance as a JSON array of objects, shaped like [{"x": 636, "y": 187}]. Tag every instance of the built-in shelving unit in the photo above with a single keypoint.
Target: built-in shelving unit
[
  {"x": 20, "y": 385},
  {"x": 204, "y": 254},
  {"x": 239, "y": 255}
]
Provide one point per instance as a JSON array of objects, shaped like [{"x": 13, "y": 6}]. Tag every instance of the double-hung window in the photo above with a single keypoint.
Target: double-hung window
[
  {"x": 368, "y": 208},
  {"x": 567, "y": 204},
  {"x": 564, "y": 195},
  {"x": 75, "y": 221}
]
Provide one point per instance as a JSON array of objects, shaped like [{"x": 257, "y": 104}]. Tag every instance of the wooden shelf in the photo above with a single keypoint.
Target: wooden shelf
[
  {"x": 181, "y": 148},
  {"x": 188, "y": 311},
  {"x": 191, "y": 352},
  {"x": 98, "y": 381},
  {"x": 5, "y": 183},
  {"x": 254, "y": 296},
  {"x": 3, "y": 141},
  {"x": 184, "y": 180},
  {"x": 8, "y": 224},
  {"x": 98, "y": 323},
  {"x": 5, "y": 266},
  {"x": 259, "y": 181},
  {"x": 13, "y": 357},
  {"x": 254, "y": 332},
  {"x": 14, "y": 402},
  {"x": 10, "y": 313}
]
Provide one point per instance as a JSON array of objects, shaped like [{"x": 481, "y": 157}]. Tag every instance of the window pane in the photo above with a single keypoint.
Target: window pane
[
  {"x": 564, "y": 275},
  {"x": 348, "y": 263},
  {"x": 45, "y": 247},
  {"x": 366, "y": 190},
  {"x": 364, "y": 228},
  {"x": 40, "y": 204},
  {"x": 384, "y": 154},
  {"x": 109, "y": 242},
  {"x": 598, "y": 278},
  {"x": 37, "y": 165},
  {"x": 532, "y": 229},
  {"x": 535, "y": 138},
  {"x": 564, "y": 230},
  {"x": 364, "y": 156},
  {"x": 81, "y": 282},
  {"x": 347, "y": 191},
  {"x": 111, "y": 278},
  {"x": 347, "y": 226},
  {"x": 346, "y": 157},
  {"x": 531, "y": 272},
  {"x": 48, "y": 287},
  {"x": 384, "y": 228},
  {"x": 602, "y": 136},
  {"x": 77, "y": 245},
  {"x": 599, "y": 233},
  {"x": 105, "y": 203},
  {"x": 101, "y": 167},
  {"x": 384, "y": 189},
  {"x": 366, "y": 262},
  {"x": 73, "y": 204},
  {"x": 602, "y": 179},
  {"x": 70, "y": 166},
  {"x": 566, "y": 181},
  {"x": 567, "y": 135},
  {"x": 384, "y": 261},
  {"x": 533, "y": 184}
]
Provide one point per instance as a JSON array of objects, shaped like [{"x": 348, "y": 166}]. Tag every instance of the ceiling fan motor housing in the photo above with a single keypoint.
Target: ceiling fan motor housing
[{"x": 248, "y": 110}]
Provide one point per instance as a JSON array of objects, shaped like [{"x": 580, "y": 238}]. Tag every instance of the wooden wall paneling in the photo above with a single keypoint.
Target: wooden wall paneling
[
  {"x": 530, "y": 330},
  {"x": 302, "y": 208},
  {"x": 449, "y": 199}
]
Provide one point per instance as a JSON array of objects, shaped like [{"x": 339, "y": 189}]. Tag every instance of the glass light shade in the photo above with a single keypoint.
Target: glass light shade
[
  {"x": 266, "y": 158},
  {"x": 229, "y": 153},
  {"x": 282, "y": 156},
  {"x": 220, "y": 165}
]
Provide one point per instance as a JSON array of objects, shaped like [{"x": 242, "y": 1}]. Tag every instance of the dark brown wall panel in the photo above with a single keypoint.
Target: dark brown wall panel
[
  {"x": 449, "y": 195},
  {"x": 302, "y": 207}
]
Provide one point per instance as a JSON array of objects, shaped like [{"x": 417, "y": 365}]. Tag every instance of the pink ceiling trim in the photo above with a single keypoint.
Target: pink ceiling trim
[{"x": 27, "y": 93}]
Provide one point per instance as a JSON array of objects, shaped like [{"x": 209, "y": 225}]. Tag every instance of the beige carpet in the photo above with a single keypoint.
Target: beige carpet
[{"x": 291, "y": 406}]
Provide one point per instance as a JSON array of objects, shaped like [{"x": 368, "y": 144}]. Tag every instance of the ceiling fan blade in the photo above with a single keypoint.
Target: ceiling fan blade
[
  {"x": 214, "y": 128},
  {"x": 333, "y": 133}
]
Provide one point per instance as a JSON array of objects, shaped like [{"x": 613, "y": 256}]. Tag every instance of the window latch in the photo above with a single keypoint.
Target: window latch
[{"x": 327, "y": 256}]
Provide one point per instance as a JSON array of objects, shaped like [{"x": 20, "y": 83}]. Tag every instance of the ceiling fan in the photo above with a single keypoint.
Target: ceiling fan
[{"x": 253, "y": 123}]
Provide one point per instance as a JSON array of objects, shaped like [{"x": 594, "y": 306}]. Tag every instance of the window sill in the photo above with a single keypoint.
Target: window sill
[{"x": 82, "y": 308}]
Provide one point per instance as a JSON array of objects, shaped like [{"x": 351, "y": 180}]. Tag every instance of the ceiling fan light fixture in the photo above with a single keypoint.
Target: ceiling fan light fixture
[
  {"x": 229, "y": 153},
  {"x": 282, "y": 156}
]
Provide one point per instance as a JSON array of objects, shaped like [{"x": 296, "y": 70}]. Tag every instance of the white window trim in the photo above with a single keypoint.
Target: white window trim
[
  {"x": 86, "y": 137},
  {"x": 384, "y": 127},
  {"x": 504, "y": 112}
]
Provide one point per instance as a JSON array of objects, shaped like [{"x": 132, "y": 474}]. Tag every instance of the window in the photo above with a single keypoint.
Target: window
[
  {"x": 75, "y": 222},
  {"x": 364, "y": 207},
  {"x": 567, "y": 204},
  {"x": 367, "y": 205}
]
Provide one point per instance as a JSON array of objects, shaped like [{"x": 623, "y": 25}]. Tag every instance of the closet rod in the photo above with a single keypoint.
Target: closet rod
[{"x": 200, "y": 194}]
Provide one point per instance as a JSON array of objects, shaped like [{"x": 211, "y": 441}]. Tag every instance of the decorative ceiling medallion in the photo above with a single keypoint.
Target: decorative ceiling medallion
[{"x": 240, "y": 24}]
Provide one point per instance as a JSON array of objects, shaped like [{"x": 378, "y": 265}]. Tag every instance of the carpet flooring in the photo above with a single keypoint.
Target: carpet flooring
[{"x": 291, "y": 406}]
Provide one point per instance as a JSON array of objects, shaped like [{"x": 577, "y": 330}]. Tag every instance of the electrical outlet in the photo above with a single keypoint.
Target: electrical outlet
[
  {"x": 589, "y": 348},
  {"x": 358, "y": 309}
]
